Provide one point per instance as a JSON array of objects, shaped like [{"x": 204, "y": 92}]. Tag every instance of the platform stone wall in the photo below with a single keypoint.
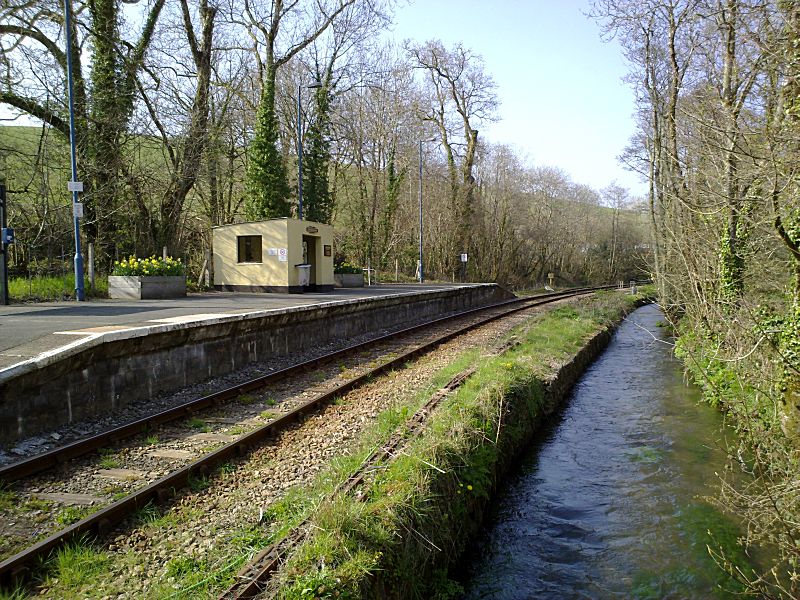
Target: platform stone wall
[{"x": 112, "y": 370}]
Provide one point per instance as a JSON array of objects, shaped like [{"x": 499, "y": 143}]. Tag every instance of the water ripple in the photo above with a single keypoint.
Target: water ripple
[{"x": 606, "y": 504}]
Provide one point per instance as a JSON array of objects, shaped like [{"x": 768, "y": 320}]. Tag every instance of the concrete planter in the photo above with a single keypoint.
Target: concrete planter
[
  {"x": 146, "y": 288},
  {"x": 348, "y": 280}
]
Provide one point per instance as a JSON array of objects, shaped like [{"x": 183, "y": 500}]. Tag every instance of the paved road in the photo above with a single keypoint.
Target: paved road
[{"x": 27, "y": 330}]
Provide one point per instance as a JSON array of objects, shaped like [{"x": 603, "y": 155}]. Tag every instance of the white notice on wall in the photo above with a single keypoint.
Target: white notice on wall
[
  {"x": 282, "y": 255},
  {"x": 272, "y": 251}
]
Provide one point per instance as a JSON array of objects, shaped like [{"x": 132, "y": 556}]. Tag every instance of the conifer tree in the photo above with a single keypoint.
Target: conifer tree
[
  {"x": 267, "y": 186},
  {"x": 317, "y": 197}
]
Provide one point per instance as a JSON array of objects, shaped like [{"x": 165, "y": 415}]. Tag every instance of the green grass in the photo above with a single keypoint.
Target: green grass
[
  {"x": 50, "y": 288},
  {"x": 198, "y": 483},
  {"x": 183, "y": 565},
  {"x": 226, "y": 468},
  {"x": 151, "y": 440},
  {"x": 76, "y": 564},
  {"x": 198, "y": 424},
  {"x": 14, "y": 594},
  {"x": 37, "y": 504},
  {"x": 246, "y": 399},
  {"x": 109, "y": 462},
  {"x": 442, "y": 477},
  {"x": 71, "y": 514},
  {"x": 8, "y": 498},
  {"x": 148, "y": 514}
]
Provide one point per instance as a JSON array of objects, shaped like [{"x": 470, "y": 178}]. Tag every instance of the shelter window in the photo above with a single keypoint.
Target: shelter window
[{"x": 249, "y": 248}]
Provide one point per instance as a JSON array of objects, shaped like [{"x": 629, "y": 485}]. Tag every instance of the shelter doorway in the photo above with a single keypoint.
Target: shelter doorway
[{"x": 310, "y": 258}]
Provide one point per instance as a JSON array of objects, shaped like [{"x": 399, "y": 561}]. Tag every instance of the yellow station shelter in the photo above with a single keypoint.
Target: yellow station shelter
[{"x": 278, "y": 255}]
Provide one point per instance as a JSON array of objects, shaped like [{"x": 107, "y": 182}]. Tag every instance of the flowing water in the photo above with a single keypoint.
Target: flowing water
[{"x": 609, "y": 501}]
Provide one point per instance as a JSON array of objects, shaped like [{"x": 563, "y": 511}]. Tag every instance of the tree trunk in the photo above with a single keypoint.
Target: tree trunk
[{"x": 188, "y": 167}]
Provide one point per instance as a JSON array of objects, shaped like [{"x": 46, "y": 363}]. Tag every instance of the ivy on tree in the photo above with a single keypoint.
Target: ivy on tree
[
  {"x": 267, "y": 187},
  {"x": 317, "y": 197}
]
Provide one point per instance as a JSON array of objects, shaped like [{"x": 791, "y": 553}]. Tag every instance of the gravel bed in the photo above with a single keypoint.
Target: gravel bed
[
  {"x": 203, "y": 526},
  {"x": 46, "y": 503}
]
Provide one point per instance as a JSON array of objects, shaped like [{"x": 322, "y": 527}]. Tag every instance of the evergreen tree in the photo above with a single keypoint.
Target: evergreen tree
[
  {"x": 267, "y": 186},
  {"x": 394, "y": 181},
  {"x": 317, "y": 197}
]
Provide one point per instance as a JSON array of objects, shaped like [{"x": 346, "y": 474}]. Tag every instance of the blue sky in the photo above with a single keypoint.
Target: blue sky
[{"x": 563, "y": 101}]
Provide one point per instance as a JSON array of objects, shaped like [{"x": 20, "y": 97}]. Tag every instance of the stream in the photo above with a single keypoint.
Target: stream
[{"x": 609, "y": 501}]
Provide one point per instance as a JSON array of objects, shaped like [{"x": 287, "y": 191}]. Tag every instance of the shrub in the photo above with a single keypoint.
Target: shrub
[
  {"x": 346, "y": 268},
  {"x": 152, "y": 266}
]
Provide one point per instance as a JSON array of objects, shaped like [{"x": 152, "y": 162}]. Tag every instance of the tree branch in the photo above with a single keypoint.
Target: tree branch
[
  {"x": 37, "y": 35},
  {"x": 32, "y": 107},
  {"x": 302, "y": 45}
]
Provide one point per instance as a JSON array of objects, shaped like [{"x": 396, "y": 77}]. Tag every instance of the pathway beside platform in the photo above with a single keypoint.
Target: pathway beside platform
[{"x": 32, "y": 329}]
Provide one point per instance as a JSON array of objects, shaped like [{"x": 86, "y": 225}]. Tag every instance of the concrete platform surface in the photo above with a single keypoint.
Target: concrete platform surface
[{"x": 30, "y": 330}]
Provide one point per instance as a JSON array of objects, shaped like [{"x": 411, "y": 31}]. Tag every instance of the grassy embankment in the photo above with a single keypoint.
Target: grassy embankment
[
  {"x": 743, "y": 366},
  {"x": 416, "y": 514}
]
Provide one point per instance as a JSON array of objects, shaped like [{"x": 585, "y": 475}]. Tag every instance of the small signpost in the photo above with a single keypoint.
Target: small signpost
[
  {"x": 7, "y": 233},
  {"x": 464, "y": 259}
]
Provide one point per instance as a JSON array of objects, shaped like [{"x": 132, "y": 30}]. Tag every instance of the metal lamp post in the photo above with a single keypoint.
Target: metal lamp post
[
  {"x": 74, "y": 185},
  {"x": 421, "y": 276},
  {"x": 314, "y": 85}
]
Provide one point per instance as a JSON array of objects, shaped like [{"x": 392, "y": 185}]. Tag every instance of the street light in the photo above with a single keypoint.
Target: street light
[
  {"x": 311, "y": 86},
  {"x": 74, "y": 185},
  {"x": 419, "y": 264}
]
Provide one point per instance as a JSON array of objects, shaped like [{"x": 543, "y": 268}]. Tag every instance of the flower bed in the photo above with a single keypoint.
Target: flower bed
[
  {"x": 347, "y": 275},
  {"x": 147, "y": 278}
]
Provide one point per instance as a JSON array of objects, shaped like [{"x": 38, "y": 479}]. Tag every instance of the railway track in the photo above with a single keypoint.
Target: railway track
[
  {"x": 100, "y": 522},
  {"x": 252, "y": 580}
]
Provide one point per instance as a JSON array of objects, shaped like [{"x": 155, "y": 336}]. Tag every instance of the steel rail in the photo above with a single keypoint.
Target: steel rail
[
  {"x": 57, "y": 456},
  {"x": 17, "y": 567},
  {"x": 252, "y": 579}
]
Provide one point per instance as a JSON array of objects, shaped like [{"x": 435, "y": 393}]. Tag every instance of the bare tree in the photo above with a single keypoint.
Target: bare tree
[{"x": 462, "y": 96}]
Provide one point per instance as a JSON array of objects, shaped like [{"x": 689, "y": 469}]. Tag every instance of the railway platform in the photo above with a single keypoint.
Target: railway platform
[
  {"x": 65, "y": 361},
  {"x": 30, "y": 330}
]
